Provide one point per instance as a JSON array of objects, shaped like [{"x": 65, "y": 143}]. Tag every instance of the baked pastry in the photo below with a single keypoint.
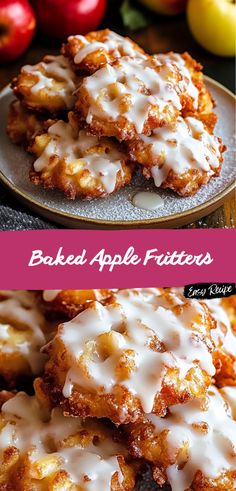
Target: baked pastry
[
  {"x": 47, "y": 86},
  {"x": 142, "y": 351},
  {"x": 23, "y": 331},
  {"x": 182, "y": 156},
  {"x": 70, "y": 302},
  {"x": 77, "y": 163},
  {"x": 193, "y": 447},
  {"x": 57, "y": 453},
  {"x": 96, "y": 49},
  {"x": 131, "y": 97}
]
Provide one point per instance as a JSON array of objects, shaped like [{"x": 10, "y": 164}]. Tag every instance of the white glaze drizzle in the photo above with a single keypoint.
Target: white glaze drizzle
[
  {"x": 211, "y": 451},
  {"x": 18, "y": 309},
  {"x": 76, "y": 150},
  {"x": 147, "y": 200},
  {"x": 183, "y": 146},
  {"x": 186, "y": 84},
  {"x": 134, "y": 323},
  {"x": 26, "y": 429},
  {"x": 56, "y": 69},
  {"x": 113, "y": 44},
  {"x": 140, "y": 82}
]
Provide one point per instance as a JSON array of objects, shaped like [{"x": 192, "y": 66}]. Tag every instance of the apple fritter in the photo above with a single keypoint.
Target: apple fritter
[
  {"x": 142, "y": 351},
  {"x": 193, "y": 447},
  {"x": 201, "y": 103},
  {"x": 96, "y": 49},
  {"x": 182, "y": 156},
  {"x": 130, "y": 97},
  {"x": 47, "y": 86},
  {"x": 51, "y": 452},
  {"x": 77, "y": 163},
  {"x": 23, "y": 125},
  {"x": 23, "y": 331},
  {"x": 71, "y": 302}
]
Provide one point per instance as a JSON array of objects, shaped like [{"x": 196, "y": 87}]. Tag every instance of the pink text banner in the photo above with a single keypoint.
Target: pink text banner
[{"x": 77, "y": 259}]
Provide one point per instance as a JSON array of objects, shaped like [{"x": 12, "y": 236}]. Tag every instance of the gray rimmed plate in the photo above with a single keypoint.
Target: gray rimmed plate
[{"x": 117, "y": 211}]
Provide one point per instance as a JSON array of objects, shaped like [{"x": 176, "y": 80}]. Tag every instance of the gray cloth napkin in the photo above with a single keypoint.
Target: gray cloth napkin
[{"x": 14, "y": 216}]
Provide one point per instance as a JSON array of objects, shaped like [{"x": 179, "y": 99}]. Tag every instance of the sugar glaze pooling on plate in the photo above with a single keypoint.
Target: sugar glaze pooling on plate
[{"x": 147, "y": 200}]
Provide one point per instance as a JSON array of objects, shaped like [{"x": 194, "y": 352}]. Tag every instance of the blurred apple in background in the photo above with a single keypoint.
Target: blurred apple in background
[
  {"x": 60, "y": 18},
  {"x": 168, "y": 7},
  {"x": 213, "y": 24},
  {"x": 17, "y": 26}
]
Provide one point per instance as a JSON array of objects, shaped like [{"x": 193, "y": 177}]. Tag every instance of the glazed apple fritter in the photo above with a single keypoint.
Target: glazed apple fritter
[
  {"x": 193, "y": 447},
  {"x": 96, "y": 49},
  {"x": 182, "y": 156},
  {"x": 140, "y": 352},
  {"x": 70, "y": 302},
  {"x": 130, "y": 97},
  {"x": 48, "y": 86},
  {"x": 77, "y": 163},
  {"x": 23, "y": 331},
  {"x": 56, "y": 453}
]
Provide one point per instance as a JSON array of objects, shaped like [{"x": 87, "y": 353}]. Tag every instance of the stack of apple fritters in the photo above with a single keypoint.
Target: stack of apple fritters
[
  {"x": 104, "y": 107},
  {"x": 159, "y": 367}
]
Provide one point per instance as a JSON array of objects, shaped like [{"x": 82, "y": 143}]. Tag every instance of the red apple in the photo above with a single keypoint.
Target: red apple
[
  {"x": 17, "y": 26},
  {"x": 60, "y": 18}
]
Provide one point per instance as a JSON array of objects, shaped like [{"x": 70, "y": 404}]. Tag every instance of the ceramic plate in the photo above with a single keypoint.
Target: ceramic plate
[{"x": 117, "y": 211}]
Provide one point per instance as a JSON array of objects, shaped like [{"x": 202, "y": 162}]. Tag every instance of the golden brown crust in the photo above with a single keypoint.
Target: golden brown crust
[
  {"x": 70, "y": 302},
  {"x": 151, "y": 440},
  {"x": 43, "y": 459},
  {"x": 118, "y": 404},
  {"x": 123, "y": 127},
  {"x": 101, "y": 55},
  {"x": 72, "y": 162},
  {"x": 23, "y": 125},
  {"x": 46, "y": 87}
]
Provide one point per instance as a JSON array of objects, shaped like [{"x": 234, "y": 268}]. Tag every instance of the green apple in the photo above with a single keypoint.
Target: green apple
[
  {"x": 168, "y": 7},
  {"x": 213, "y": 24}
]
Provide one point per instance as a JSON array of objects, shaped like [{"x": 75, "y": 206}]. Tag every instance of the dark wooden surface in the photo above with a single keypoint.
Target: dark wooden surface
[{"x": 162, "y": 35}]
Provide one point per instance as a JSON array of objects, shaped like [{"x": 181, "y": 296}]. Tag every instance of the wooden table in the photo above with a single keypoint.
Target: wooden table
[{"x": 164, "y": 35}]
